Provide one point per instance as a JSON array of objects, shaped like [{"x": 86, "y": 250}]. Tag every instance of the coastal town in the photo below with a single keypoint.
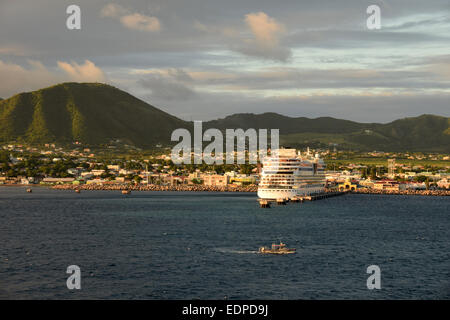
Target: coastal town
[{"x": 81, "y": 168}]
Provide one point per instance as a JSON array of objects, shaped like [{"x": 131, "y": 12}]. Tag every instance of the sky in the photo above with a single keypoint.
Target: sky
[{"x": 207, "y": 59}]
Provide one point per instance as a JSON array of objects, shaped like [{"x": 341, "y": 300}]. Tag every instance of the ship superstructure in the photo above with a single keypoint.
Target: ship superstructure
[{"x": 288, "y": 174}]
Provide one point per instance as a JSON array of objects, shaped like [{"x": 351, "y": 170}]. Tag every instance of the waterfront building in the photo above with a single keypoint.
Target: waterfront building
[
  {"x": 387, "y": 185},
  {"x": 443, "y": 183},
  {"x": 347, "y": 186},
  {"x": 57, "y": 180}
]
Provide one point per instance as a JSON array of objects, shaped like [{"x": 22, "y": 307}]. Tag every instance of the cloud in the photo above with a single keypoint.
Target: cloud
[
  {"x": 440, "y": 66},
  {"x": 167, "y": 85},
  {"x": 364, "y": 108},
  {"x": 261, "y": 36},
  {"x": 424, "y": 22},
  {"x": 285, "y": 80},
  {"x": 267, "y": 33},
  {"x": 20, "y": 79},
  {"x": 265, "y": 29},
  {"x": 231, "y": 49},
  {"x": 140, "y": 22},
  {"x": 87, "y": 72},
  {"x": 13, "y": 51},
  {"x": 113, "y": 10},
  {"x": 35, "y": 75},
  {"x": 135, "y": 21}
]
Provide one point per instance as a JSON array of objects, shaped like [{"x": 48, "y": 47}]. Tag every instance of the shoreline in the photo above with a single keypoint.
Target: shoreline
[
  {"x": 436, "y": 193},
  {"x": 246, "y": 189},
  {"x": 202, "y": 188},
  {"x": 150, "y": 187}
]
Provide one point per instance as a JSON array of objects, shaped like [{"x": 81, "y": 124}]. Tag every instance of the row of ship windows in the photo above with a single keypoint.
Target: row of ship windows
[
  {"x": 310, "y": 178},
  {"x": 289, "y": 184},
  {"x": 278, "y": 168},
  {"x": 285, "y": 190},
  {"x": 288, "y": 180},
  {"x": 291, "y": 167},
  {"x": 269, "y": 186}
]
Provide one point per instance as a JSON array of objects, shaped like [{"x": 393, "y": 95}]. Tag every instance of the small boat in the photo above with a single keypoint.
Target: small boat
[
  {"x": 126, "y": 191},
  {"x": 29, "y": 190},
  {"x": 77, "y": 190},
  {"x": 277, "y": 249}
]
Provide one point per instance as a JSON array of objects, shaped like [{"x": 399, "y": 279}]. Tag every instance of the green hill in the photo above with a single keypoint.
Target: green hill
[
  {"x": 92, "y": 113},
  {"x": 423, "y": 133},
  {"x": 287, "y": 125},
  {"x": 426, "y": 132},
  {"x": 95, "y": 113}
]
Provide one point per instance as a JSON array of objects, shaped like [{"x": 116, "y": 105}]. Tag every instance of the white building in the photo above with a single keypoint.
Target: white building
[{"x": 444, "y": 183}]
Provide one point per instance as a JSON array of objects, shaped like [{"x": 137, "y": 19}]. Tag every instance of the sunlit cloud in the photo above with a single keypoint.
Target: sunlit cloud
[
  {"x": 36, "y": 75},
  {"x": 87, "y": 72},
  {"x": 212, "y": 58},
  {"x": 130, "y": 20}
]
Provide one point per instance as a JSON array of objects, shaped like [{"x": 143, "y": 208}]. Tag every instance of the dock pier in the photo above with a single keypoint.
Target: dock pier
[
  {"x": 282, "y": 201},
  {"x": 265, "y": 203}
]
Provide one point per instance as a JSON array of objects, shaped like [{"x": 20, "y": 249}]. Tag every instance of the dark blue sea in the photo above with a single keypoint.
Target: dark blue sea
[{"x": 167, "y": 245}]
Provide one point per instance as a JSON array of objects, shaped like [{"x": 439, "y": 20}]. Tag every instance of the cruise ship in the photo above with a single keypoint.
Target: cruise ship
[{"x": 291, "y": 174}]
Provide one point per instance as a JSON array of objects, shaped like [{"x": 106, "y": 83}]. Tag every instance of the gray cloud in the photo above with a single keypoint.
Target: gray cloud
[
  {"x": 361, "y": 108},
  {"x": 314, "y": 45},
  {"x": 36, "y": 76},
  {"x": 167, "y": 88}
]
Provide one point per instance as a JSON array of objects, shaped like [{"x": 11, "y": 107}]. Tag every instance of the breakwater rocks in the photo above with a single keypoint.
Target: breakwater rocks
[
  {"x": 154, "y": 187},
  {"x": 230, "y": 188},
  {"x": 405, "y": 192}
]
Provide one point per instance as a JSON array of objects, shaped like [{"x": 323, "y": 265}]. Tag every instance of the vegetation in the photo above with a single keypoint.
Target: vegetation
[
  {"x": 425, "y": 133},
  {"x": 96, "y": 114},
  {"x": 92, "y": 113}
]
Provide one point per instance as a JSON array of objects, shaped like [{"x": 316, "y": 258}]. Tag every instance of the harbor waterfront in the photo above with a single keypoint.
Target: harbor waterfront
[
  {"x": 228, "y": 155},
  {"x": 251, "y": 189},
  {"x": 155, "y": 187},
  {"x": 204, "y": 245}
]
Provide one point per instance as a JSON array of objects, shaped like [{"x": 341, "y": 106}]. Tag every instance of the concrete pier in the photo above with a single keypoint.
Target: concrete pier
[{"x": 265, "y": 203}]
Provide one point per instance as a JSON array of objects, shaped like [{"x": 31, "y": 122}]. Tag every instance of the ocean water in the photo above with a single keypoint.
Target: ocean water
[{"x": 167, "y": 245}]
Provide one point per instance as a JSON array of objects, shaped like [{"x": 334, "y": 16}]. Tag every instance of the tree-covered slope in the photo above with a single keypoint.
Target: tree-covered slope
[
  {"x": 89, "y": 112},
  {"x": 96, "y": 113},
  {"x": 423, "y": 133}
]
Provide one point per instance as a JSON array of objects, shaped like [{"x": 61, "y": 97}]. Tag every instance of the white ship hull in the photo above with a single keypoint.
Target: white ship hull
[
  {"x": 290, "y": 175},
  {"x": 272, "y": 194}
]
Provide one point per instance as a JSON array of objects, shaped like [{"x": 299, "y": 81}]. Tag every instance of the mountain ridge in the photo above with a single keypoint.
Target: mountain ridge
[
  {"x": 91, "y": 112},
  {"x": 422, "y": 133},
  {"x": 96, "y": 113}
]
